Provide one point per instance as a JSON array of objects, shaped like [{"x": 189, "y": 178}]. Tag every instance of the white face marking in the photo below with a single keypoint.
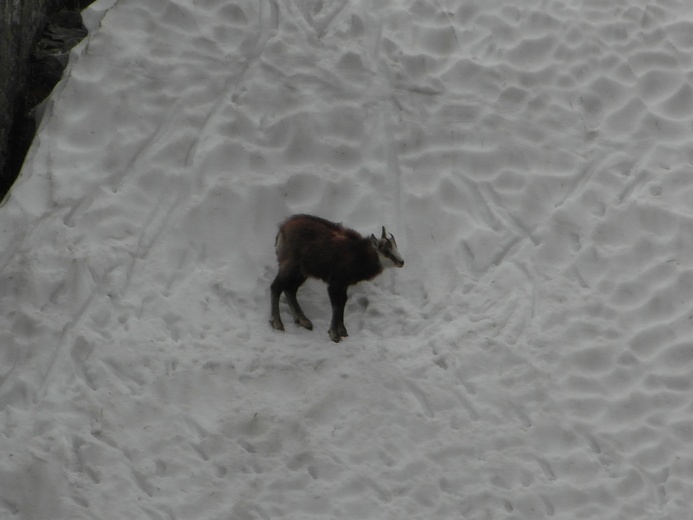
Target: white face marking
[{"x": 388, "y": 253}]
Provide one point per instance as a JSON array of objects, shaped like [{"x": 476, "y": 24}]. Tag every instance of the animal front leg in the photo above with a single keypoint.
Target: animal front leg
[{"x": 338, "y": 298}]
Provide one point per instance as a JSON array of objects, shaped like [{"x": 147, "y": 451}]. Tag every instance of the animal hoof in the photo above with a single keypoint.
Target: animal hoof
[
  {"x": 277, "y": 324},
  {"x": 305, "y": 323},
  {"x": 334, "y": 335},
  {"x": 342, "y": 332}
]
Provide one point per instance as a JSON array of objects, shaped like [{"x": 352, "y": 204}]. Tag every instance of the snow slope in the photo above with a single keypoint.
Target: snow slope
[{"x": 533, "y": 359}]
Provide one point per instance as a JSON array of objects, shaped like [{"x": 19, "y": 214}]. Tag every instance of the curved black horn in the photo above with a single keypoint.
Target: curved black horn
[{"x": 384, "y": 236}]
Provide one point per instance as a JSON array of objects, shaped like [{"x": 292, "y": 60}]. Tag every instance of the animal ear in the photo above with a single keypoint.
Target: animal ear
[
  {"x": 384, "y": 236},
  {"x": 375, "y": 242}
]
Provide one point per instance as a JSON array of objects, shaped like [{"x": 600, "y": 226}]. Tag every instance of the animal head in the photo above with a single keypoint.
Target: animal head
[{"x": 386, "y": 247}]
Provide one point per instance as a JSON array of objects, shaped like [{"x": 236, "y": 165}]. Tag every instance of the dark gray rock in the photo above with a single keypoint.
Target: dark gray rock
[{"x": 35, "y": 39}]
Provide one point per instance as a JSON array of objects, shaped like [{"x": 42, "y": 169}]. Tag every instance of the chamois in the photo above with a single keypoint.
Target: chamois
[{"x": 309, "y": 246}]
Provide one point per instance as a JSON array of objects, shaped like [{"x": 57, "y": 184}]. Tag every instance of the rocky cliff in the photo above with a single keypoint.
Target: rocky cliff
[{"x": 35, "y": 39}]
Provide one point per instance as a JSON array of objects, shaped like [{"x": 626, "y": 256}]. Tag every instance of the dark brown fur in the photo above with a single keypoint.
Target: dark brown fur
[{"x": 309, "y": 246}]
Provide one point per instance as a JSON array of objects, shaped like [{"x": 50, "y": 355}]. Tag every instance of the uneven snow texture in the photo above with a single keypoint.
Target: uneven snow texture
[{"x": 534, "y": 358}]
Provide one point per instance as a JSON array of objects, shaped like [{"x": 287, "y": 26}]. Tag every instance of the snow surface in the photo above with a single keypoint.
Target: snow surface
[{"x": 533, "y": 359}]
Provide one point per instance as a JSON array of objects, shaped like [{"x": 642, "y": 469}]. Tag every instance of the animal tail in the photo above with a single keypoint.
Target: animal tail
[{"x": 279, "y": 243}]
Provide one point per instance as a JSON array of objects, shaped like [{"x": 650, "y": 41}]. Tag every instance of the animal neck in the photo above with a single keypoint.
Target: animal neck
[
  {"x": 382, "y": 259},
  {"x": 371, "y": 266}
]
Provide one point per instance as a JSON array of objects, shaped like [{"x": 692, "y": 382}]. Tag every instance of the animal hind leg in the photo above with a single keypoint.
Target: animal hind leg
[
  {"x": 294, "y": 307},
  {"x": 276, "y": 290}
]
